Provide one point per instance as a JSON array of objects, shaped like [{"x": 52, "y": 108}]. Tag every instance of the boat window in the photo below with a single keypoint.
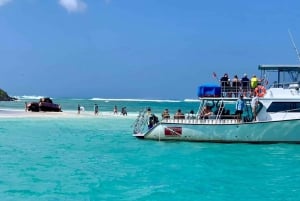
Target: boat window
[{"x": 284, "y": 106}]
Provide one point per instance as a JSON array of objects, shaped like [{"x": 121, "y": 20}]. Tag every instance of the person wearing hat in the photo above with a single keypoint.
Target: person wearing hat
[
  {"x": 239, "y": 107},
  {"x": 225, "y": 84},
  {"x": 225, "y": 81},
  {"x": 245, "y": 85},
  {"x": 245, "y": 81}
]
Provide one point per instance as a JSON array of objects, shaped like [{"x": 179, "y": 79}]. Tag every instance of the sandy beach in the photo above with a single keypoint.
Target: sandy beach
[{"x": 10, "y": 113}]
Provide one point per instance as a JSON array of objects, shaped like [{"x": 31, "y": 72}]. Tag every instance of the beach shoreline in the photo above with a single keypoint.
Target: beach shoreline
[{"x": 13, "y": 113}]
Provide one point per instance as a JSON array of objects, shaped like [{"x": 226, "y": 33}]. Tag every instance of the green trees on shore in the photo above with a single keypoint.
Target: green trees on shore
[{"x": 5, "y": 97}]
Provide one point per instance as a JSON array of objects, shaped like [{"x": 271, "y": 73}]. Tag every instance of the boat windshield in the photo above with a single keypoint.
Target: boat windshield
[{"x": 286, "y": 76}]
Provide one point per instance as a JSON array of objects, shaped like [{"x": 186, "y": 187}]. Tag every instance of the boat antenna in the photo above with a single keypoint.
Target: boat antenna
[{"x": 292, "y": 40}]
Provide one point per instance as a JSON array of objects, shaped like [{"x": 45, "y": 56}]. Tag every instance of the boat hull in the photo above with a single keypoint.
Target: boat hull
[{"x": 253, "y": 132}]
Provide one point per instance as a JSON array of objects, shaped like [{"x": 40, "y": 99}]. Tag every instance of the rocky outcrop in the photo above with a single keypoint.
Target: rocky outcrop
[{"x": 5, "y": 97}]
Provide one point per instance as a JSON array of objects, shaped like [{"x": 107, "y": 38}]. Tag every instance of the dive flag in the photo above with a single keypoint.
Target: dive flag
[{"x": 173, "y": 131}]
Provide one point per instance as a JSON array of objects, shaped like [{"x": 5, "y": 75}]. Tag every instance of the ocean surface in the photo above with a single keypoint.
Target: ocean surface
[{"x": 88, "y": 157}]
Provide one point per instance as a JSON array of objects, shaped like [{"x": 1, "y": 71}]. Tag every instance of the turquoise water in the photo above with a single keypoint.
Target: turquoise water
[{"x": 96, "y": 158}]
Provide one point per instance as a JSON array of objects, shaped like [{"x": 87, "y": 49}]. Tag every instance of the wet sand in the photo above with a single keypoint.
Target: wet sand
[{"x": 9, "y": 113}]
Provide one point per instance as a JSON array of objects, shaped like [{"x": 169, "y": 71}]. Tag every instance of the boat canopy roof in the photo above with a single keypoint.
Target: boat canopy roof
[
  {"x": 292, "y": 70},
  {"x": 281, "y": 68}
]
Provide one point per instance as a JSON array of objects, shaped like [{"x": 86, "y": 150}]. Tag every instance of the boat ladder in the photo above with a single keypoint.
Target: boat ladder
[
  {"x": 220, "y": 110},
  {"x": 140, "y": 124}
]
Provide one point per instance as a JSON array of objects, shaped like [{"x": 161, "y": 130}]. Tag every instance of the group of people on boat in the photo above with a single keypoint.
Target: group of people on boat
[
  {"x": 178, "y": 114},
  {"x": 240, "y": 107},
  {"x": 244, "y": 86},
  {"x": 214, "y": 109},
  {"x": 236, "y": 82}
]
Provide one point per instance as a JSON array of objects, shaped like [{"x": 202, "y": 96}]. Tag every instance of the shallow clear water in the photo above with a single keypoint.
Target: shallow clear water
[{"x": 96, "y": 158}]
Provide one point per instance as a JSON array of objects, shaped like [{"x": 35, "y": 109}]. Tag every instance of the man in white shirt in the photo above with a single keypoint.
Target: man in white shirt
[{"x": 254, "y": 104}]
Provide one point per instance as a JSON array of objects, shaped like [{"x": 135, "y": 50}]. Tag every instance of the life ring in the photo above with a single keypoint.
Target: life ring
[{"x": 260, "y": 91}]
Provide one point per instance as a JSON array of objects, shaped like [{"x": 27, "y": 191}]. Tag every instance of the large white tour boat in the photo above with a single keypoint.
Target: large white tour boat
[{"x": 276, "y": 117}]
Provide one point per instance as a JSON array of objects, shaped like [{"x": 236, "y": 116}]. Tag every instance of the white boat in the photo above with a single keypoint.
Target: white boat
[{"x": 277, "y": 120}]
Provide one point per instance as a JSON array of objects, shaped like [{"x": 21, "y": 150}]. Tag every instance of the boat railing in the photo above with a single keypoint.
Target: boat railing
[
  {"x": 226, "y": 119},
  {"x": 235, "y": 91}
]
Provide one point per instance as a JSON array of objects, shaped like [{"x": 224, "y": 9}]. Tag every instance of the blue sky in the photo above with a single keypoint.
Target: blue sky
[{"x": 152, "y": 49}]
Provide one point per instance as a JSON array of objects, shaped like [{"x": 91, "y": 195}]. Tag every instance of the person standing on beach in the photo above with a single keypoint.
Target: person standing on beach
[
  {"x": 26, "y": 107},
  {"x": 96, "y": 109},
  {"x": 78, "y": 109},
  {"x": 115, "y": 110},
  {"x": 124, "y": 111}
]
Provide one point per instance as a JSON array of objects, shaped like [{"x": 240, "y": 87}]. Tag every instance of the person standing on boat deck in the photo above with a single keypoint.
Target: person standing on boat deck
[
  {"x": 254, "y": 104},
  {"x": 225, "y": 84},
  {"x": 96, "y": 109},
  {"x": 254, "y": 82},
  {"x": 225, "y": 81},
  {"x": 245, "y": 84},
  {"x": 236, "y": 84},
  {"x": 239, "y": 107},
  {"x": 245, "y": 81}
]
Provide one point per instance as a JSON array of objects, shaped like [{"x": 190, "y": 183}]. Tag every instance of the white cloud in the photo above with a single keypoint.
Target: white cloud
[
  {"x": 73, "y": 5},
  {"x": 3, "y": 2}
]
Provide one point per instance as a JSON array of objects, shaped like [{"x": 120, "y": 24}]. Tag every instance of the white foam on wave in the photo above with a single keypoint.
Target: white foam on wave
[
  {"x": 24, "y": 97},
  {"x": 191, "y": 100},
  {"x": 37, "y": 97},
  {"x": 134, "y": 100}
]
